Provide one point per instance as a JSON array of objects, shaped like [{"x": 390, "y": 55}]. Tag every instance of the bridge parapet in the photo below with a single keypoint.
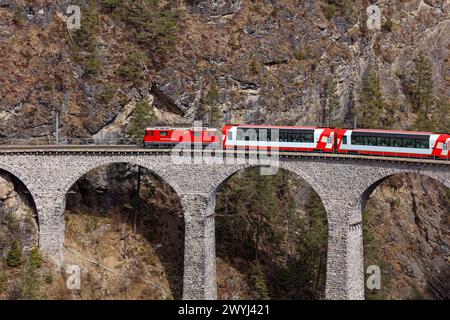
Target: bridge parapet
[{"x": 343, "y": 184}]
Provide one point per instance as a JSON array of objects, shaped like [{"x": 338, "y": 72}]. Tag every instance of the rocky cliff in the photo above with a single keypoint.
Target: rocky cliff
[
  {"x": 258, "y": 62},
  {"x": 269, "y": 60}
]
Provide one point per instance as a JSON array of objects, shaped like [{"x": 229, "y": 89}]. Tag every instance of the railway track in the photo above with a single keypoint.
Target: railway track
[{"x": 127, "y": 150}]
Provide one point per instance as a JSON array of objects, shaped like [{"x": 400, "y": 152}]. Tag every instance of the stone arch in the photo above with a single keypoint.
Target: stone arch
[
  {"x": 79, "y": 173},
  {"x": 366, "y": 188},
  {"x": 23, "y": 180},
  {"x": 103, "y": 161},
  {"x": 292, "y": 167},
  {"x": 27, "y": 197},
  {"x": 54, "y": 204},
  {"x": 28, "y": 186}
]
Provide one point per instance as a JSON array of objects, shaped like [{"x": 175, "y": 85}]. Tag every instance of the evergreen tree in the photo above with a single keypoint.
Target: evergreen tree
[
  {"x": 2, "y": 281},
  {"x": 422, "y": 84},
  {"x": 332, "y": 102},
  {"x": 311, "y": 247},
  {"x": 442, "y": 114},
  {"x": 14, "y": 258},
  {"x": 372, "y": 104},
  {"x": 141, "y": 117},
  {"x": 372, "y": 256},
  {"x": 258, "y": 214},
  {"x": 211, "y": 106},
  {"x": 154, "y": 25},
  {"x": 422, "y": 93},
  {"x": 29, "y": 286},
  {"x": 35, "y": 258},
  {"x": 85, "y": 38},
  {"x": 259, "y": 282}
]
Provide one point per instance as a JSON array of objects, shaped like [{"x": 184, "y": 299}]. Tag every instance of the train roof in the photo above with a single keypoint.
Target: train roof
[
  {"x": 271, "y": 127},
  {"x": 392, "y": 131},
  {"x": 176, "y": 128}
]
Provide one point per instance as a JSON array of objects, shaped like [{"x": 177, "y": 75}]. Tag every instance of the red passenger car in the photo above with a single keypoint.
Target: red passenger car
[{"x": 167, "y": 137}]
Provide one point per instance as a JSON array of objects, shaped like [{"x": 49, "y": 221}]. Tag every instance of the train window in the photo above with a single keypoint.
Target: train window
[
  {"x": 264, "y": 135},
  {"x": 344, "y": 140},
  {"x": 163, "y": 133},
  {"x": 422, "y": 144},
  {"x": 409, "y": 143},
  {"x": 251, "y": 135},
  {"x": 230, "y": 135},
  {"x": 269, "y": 135},
  {"x": 308, "y": 137},
  {"x": 240, "y": 134},
  {"x": 289, "y": 137},
  {"x": 358, "y": 140},
  {"x": 383, "y": 142},
  {"x": 397, "y": 142},
  {"x": 370, "y": 141},
  {"x": 197, "y": 133},
  {"x": 293, "y": 137}
]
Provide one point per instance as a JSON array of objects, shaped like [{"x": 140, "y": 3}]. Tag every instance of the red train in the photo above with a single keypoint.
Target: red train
[{"x": 306, "y": 139}]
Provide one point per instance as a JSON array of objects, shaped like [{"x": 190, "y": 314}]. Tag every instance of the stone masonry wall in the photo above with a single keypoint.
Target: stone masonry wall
[{"x": 342, "y": 184}]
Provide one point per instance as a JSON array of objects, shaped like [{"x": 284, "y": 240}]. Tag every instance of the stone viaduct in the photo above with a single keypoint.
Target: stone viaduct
[{"x": 343, "y": 183}]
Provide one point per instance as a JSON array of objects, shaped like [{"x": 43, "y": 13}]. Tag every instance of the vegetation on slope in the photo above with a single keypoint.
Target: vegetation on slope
[{"x": 283, "y": 246}]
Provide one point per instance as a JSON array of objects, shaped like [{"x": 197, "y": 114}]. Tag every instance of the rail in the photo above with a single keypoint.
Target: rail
[
  {"x": 139, "y": 150},
  {"x": 44, "y": 141}
]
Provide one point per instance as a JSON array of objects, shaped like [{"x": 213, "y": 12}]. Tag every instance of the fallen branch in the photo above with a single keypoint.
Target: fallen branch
[{"x": 98, "y": 264}]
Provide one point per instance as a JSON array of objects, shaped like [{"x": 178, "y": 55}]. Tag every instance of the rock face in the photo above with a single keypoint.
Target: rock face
[
  {"x": 17, "y": 216},
  {"x": 270, "y": 61},
  {"x": 216, "y": 8},
  {"x": 137, "y": 240},
  {"x": 409, "y": 219}
]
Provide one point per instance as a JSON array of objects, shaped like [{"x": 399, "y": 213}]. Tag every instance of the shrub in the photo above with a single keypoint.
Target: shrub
[
  {"x": 329, "y": 10},
  {"x": 14, "y": 258},
  {"x": 131, "y": 69},
  {"x": 85, "y": 37},
  {"x": 260, "y": 283},
  {"x": 255, "y": 66},
  {"x": 29, "y": 286},
  {"x": 345, "y": 8},
  {"x": 92, "y": 65},
  {"x": 111, "y": 4},
  {"x": 90, "y": 226},
  {"x": 2, "y": 281},
  {"x": 35, "y": 258},
  {"x": 141, "y": 117},
  {"x": 152, "y": 25},
  {"x": 17, "y": 18},
  {"x": 48, "y": 278},
  {"x": 301, "y": 55},
  {"x": 388, "y": 25},
  {"x": 107, "y": 93}
]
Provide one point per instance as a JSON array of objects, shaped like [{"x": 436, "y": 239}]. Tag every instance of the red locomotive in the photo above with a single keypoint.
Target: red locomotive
[
  {"x": 162, "y": 137},
  {"x": 306, "y": 139}
]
